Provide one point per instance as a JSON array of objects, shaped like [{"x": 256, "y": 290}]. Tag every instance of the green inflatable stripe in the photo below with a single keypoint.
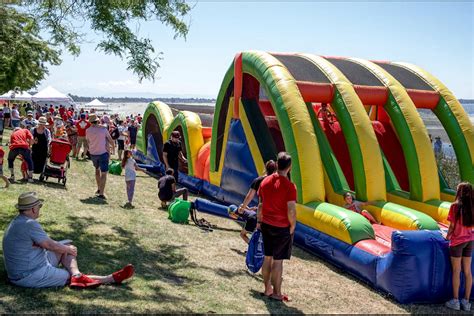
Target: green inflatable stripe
[
  {"x": 390, "y": 179},
  {"x": 260, "y": 130},
  {"x": 451, "y": 125},
  {"x": 330, "y": 163},
  {"x": 255, "y": 66},
  {"x": 180, "y": 120},
  {"x": 353, "y": 145},
  {"x": 409, "y": 152},
  {"x": 215, "y": 123},
  {"x": 421, "y": 220},
  {"x": 357, "y": 225}
]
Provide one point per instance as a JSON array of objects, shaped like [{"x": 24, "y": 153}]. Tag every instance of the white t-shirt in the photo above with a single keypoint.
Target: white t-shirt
[
  {"x": 15, "y": 115},
  {"x": 130, "y": 172},
  {"x": 121, "y": 130}
]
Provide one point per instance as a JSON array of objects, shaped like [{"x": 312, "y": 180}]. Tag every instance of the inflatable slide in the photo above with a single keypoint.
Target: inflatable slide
[{"x": 349, "y": 125}]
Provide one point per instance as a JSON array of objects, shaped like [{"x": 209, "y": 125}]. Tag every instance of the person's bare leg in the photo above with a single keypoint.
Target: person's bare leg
[
  {"x": 103, "y": 279},
  {"x": 267, "y": 274},
  {"x": 97, "y": 179},
  {"x": 7, "y": 183},
  {"x": 102, "y": 181},
  {"x": 466, "y": 267},
  {"x": 456, "y": 265},
  {"x": 70, "y": 263},
  {"x": 243, "y": 235},
  {"x": 277, "y": 271}
]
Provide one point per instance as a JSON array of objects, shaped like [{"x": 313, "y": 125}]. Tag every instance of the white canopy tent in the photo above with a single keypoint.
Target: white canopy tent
[
  {"x": 51, "y": 95},
  {"x": 95, "y": 103},
  {"x": 17, "y": 96}
]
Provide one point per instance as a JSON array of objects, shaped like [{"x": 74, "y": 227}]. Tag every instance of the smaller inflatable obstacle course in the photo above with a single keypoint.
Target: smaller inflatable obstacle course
[{"x": 349, "y": 125}]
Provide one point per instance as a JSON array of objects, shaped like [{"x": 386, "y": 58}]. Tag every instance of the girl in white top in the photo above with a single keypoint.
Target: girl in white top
[{"x": 130, "y": 166}]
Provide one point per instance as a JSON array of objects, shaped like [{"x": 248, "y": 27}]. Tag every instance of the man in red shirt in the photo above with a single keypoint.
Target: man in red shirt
[
  {"x": 20, "y": 142},
  {"x": 276, "y": 218},
  {"x": 82, "y": 125}
]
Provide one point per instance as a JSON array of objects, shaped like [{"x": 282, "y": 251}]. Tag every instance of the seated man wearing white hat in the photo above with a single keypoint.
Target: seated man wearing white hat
[
  {"x": 29, "y": 122},
  {"x": 32, "y": 258}
]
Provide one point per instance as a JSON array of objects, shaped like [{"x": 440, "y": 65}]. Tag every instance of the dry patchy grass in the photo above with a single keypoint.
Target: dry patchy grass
[{"x": 179, "y": 268}]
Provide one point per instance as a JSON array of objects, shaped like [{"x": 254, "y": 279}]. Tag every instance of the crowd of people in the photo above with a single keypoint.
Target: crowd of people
[{"x": 98, "y": 136}]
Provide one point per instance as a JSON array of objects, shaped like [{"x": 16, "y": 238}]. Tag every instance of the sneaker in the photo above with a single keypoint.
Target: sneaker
[
  {"x": 123, "y": 274},
  {"x": 453, "y": 304},
  {"x": 30, "y": 180},
  {"x": 466, "y": 306},
  {"x": 102, "y": 197},
  {"x": 11, "y": 179},
  {"x": 82, "y": 282}
]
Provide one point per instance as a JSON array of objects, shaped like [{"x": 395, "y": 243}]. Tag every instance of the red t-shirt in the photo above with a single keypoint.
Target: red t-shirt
[
  {"x": 276, "y": 191},
  {"x": 19, "y": 139},
  {"x": 82, "y": 126},
  {"x": 62, "y": 111},
  {"x": 461, "y": 233},
  {"x": 2, "y": 154},
  {"x": 51, "y": 110}
]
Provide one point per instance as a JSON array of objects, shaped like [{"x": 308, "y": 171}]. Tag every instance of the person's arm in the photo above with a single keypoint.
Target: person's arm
[
  {"x": 138, "y": 168},
  {"x": 248, "y": 198},
  {"x": 181, "y": 156},
  {"x": 173, "y": 187},
  {"x": 259, "y": 213},
  {"x": 110, "y": 141},
  {"x": 165, "y": 158},
  {"x": 57, "y": 247},
  {"x": 292, "y": 215}
]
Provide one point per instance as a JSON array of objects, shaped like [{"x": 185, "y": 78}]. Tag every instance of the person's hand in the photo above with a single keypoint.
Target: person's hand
[
  {"x": 292, "y": 229},
  {"x": 258, "y": 226},
  {"x": 72, "y": 250}
]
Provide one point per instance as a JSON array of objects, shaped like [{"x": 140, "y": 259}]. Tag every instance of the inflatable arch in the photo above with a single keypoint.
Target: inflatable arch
[{"x": 373, "y": 143}]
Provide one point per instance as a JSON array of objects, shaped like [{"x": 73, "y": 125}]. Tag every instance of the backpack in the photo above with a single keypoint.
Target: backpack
[
  {"x": 255, "y": 253},
  {"x": 115, "y": 134}
]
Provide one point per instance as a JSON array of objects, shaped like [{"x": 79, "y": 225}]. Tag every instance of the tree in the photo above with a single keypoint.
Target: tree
[
  {"x": 113, "y": 20},
  {"x": 23, "y": 53}
]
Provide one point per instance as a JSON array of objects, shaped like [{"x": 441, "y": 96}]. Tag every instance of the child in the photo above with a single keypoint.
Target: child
[
  {"x": 460, "y": 236},
  {"x": 2, "y": 154},
  {"x": 355, "y": 206},
  {"x": 167, "y": 188},
  {"x": 24, "y": 168},
  {"x": 248, "y": 216},
  {"x": 130, "y": 166}
]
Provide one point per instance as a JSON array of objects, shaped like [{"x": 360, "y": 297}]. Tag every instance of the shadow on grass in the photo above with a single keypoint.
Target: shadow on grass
[
  {"x": 94, "y": 200},
  {"x": 54, "y": 185},
  {"x": 239, "y": 252},
  {"x": 100, "y": 254},
  {"x": 274, "y": 306}
]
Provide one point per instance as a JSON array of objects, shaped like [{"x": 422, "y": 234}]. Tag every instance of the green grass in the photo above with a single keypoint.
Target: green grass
[{"x": 179, "y": 268}]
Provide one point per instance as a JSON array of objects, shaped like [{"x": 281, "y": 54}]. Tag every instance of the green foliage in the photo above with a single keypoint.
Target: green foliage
[
  {"x": 24, "y": 54},
  {"x": 115, "y": 21}
]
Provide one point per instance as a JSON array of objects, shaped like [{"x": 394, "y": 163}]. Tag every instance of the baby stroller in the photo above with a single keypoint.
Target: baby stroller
[{"x": 58, "y": 161}]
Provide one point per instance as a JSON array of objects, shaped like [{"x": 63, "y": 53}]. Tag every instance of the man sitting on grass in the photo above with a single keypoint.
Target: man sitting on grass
[
  {"x": 167, "y": 188},
  {"x": 32, "y": 258}
]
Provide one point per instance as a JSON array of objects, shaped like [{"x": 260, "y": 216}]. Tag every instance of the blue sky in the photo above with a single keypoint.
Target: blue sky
[{"x": 436, "y": 36}]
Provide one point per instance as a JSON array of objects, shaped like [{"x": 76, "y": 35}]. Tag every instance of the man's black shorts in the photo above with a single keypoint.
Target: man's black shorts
[{"x": 277, "y": 241}]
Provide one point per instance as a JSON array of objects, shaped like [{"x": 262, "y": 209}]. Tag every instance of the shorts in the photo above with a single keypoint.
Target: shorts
[
  {"x": 1, "y": 126},
  {"x": 133, "y": 140},
  {"x": 251, "y": 224},
  {"x": 101, "y": 162},
  {"x": 15, "y": 123},
  {"x": 277, "y": 241},
  {"x": 81, "y": 141},
  {"x": 462, "y": 250},
  {"x": 6, "y": 115},
  {"x": 1, "y": 170},
  {"x": 121, "y": 144},
  {"x": 48, "y": 276}
]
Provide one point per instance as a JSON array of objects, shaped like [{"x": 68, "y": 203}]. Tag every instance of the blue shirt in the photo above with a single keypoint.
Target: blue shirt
[{"x": 21, "y": 252}]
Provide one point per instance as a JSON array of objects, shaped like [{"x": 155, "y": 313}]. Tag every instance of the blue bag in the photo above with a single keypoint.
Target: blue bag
[{"x": 255, "y": 253}]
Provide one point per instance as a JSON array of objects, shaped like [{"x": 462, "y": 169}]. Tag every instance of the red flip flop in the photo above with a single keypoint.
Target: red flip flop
[{"x": 282, "y": 298}]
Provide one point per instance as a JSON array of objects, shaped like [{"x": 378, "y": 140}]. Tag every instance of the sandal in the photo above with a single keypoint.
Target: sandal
[{"x": 265, "y": 295}]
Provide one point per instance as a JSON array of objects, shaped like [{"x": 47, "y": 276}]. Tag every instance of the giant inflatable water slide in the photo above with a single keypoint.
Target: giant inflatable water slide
[{"x": 373, "y": 143}]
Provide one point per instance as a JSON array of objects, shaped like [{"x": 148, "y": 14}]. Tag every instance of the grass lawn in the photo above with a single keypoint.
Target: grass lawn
[{"x": 179, "y": 268}]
